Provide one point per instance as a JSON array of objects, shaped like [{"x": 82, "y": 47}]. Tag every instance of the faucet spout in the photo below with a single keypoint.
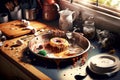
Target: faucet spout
[{"x": 71, "y": 1}]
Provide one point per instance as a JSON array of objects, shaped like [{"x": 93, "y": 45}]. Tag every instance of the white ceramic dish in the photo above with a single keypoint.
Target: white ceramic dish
[{"x": 104, "y": 64}]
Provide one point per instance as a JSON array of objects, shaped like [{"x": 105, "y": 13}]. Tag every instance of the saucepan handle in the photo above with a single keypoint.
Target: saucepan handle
[
  {"x": 75, "y": 15},
  {"x": 58, "y": 7}
]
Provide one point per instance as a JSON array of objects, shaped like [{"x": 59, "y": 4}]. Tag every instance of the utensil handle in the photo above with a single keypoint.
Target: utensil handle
[{"x": 58, "y": 7}]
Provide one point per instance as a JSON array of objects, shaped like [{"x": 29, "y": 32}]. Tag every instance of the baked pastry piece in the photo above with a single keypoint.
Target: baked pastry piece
[{"x": 60, "y": 43}]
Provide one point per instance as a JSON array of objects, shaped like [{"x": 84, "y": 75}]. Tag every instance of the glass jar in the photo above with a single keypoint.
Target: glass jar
[{"x": 89, "y": 28}]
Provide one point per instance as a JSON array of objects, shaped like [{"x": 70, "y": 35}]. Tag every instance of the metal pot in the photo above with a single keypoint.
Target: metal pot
[
  {"x": 29, "y": 14},
  {"x": 3, "y": 17}
]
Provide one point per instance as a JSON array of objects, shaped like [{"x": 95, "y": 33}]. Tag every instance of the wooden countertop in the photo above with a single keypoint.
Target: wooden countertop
[
  {"x": 15, "y": 57},
  {"x": 14, "y": 53}
]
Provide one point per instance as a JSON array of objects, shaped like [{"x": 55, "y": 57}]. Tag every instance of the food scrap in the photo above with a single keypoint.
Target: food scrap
[{"x": 42, "y": 52}]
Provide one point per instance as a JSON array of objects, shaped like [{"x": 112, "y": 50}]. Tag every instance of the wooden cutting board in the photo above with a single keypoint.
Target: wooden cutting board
[{"x": 14, "y": 29}]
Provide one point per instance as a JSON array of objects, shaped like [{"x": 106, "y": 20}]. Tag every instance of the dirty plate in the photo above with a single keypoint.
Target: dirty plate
[{"x": 104, "y": 64}]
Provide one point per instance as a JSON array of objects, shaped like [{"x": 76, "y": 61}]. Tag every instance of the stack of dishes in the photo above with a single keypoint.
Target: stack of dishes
[{"x": 104, "y": 64}]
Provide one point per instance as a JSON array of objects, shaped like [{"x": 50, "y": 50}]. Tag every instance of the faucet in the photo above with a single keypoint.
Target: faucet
[
  {"x": 96, "y": 2},
  {"x": 71, "y": 1}
]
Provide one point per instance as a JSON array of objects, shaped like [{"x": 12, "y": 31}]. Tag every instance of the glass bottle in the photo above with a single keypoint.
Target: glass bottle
[
  {"x": 78, "y": 22},
  {"x": 89, "y": 28}
]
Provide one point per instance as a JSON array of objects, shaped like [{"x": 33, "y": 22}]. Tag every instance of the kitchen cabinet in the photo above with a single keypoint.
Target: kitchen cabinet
[{"x": 10, "y": 72}]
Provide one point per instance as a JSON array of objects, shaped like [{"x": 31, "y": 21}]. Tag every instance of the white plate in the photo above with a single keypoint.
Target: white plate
[{"x": 102, "y": 68}]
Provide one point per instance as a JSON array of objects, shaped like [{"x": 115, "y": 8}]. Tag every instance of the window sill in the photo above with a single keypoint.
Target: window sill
[{"x": 109, "y": 22}]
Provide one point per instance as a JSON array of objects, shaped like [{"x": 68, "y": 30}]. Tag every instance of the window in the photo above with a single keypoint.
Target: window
[
  {"x": 106, "y": 17},
  {"x": 108, "y": 6},
  {"x": 115, "y": 4}
]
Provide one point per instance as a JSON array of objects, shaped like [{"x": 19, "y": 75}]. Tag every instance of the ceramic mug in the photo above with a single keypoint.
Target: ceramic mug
[
  {"x": 16, "y": 13},
  {"x": 3, "y": 17},
  {"x": 29, "y": 14}
]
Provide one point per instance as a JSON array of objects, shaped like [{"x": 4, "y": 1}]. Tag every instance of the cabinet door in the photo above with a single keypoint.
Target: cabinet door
[{"x": 10, "y": 71}]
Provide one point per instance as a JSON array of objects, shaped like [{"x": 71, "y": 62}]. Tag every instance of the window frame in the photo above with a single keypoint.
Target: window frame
[
  {"x": 109, "y": 21},
  {"x": 99, "y": 7}
]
